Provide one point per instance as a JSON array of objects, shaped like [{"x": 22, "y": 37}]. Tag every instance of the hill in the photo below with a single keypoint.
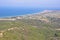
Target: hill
[{"x": 40, "y": 26}]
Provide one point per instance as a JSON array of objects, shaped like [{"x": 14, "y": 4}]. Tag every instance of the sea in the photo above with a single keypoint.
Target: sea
[{"x": 7, "y": 12}]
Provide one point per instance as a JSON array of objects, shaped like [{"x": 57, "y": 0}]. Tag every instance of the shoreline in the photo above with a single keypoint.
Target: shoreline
[
  {"x": 29, "y": 13},
  {"x": 19, "y": 15}
]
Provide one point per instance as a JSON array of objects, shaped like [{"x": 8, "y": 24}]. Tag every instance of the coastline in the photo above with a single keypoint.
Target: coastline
[{"x": 29, "y": 13}]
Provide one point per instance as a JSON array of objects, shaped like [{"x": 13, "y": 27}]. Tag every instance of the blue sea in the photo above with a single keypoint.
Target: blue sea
[{"x": 5, "y": 12}]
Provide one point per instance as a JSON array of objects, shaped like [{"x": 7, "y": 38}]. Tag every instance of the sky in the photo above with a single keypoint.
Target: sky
[{"x": 30, "y": 3}]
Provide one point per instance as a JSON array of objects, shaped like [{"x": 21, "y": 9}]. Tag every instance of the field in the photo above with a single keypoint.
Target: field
[{"x": 20, "y": 30}]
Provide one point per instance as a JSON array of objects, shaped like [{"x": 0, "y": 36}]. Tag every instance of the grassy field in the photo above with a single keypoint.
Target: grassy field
[{"x": 20, "y": 30}]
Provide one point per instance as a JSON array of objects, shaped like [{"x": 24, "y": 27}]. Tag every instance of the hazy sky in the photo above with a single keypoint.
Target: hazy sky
[{"x": 30, "y": 3}]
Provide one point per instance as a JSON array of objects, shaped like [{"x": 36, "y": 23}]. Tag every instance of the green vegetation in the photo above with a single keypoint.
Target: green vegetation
[{"x": 24, "y": 31}]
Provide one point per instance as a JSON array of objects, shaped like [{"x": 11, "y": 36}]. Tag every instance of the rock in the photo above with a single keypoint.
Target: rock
[{"x": 1, "y": 34}]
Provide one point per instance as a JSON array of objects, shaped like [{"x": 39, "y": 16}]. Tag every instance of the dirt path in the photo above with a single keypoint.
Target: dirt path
[{"x": 58, "y": 29}]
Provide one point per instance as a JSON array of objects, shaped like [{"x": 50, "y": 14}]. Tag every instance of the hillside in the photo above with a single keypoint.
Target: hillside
[{"x": 40, "y": 26}]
